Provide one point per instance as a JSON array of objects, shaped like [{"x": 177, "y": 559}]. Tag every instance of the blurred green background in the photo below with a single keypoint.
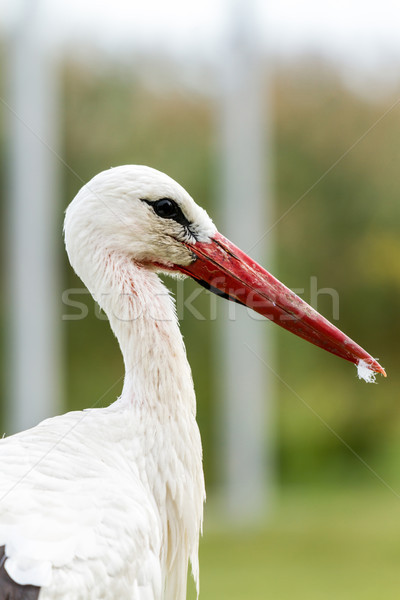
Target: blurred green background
[{"x": 334, "y": 532}]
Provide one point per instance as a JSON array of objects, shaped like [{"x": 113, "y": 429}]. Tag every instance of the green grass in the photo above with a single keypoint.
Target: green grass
[{"x": 331, "y": 545}]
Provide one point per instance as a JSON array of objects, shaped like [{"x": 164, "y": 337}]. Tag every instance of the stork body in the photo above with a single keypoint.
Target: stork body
[
  {"x": 104, "y": 498},
  {"x": 108, "y": 503}
]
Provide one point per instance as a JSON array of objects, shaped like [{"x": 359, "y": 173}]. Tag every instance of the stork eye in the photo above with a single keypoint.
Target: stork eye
[{"x": 166, "y": 208}]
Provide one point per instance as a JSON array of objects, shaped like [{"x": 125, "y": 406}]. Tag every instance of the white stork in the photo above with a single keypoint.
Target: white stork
[{"x": 108, "y": 503}]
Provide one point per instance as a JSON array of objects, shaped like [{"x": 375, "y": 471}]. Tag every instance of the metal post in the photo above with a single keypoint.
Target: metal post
[
  {"x": 33, "y": 343},
  {"x": 246, "y": 415}
]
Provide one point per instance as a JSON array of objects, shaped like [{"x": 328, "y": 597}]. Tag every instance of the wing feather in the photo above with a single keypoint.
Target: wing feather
[
  {"x": 76, "y": 519},
  {"x": 10, "y": 590}
]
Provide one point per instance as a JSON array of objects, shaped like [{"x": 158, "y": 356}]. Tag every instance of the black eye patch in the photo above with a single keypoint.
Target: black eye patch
[{"x": 168, "y": 209}]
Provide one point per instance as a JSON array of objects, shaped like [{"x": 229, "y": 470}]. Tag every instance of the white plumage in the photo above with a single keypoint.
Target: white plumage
[{"x": 108, "y": 503}]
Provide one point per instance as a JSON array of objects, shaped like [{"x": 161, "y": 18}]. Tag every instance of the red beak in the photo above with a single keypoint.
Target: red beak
[{"x": 224, "y": 269}]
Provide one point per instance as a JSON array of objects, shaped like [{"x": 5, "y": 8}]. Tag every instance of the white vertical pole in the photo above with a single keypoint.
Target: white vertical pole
[
  {"x": 245, "y": 390},
  {"x": 33, "y": 343}
]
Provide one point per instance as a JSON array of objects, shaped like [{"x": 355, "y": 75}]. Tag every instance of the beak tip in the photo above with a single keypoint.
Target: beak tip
[
  {"x": 378, "y": 369},
  {"x": 367, "y": 369}
]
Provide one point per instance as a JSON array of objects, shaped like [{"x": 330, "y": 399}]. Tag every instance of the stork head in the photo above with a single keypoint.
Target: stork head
[
  {"x": 144, "y": 216},
  {"x": 137, "y": 212}
]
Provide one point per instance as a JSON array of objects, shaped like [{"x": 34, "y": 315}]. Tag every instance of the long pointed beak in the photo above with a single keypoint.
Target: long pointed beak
[{"x": 224, "y": 269}]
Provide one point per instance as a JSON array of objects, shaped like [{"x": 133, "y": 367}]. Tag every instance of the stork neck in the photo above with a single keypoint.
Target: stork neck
[{"x": 143, "y": 318}]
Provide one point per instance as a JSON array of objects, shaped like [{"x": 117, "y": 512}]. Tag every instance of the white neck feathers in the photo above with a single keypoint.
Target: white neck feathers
[{"x": 143, "y": 318}]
